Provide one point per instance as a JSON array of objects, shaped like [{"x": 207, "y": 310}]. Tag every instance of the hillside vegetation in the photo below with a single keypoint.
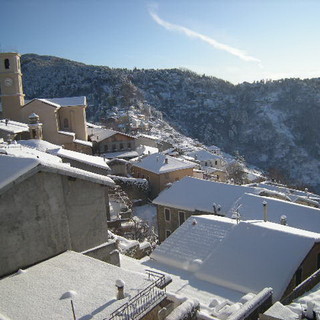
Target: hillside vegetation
[{"x": 273, "y": 124}]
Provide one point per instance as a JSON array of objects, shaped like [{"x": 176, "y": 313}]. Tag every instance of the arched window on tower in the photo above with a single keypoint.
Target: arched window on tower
[
  {"x": 65, "y": 123},
  {"x": 6, "y": 63}
]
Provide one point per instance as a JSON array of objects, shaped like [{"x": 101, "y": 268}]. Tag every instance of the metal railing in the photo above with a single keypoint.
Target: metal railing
[{"x": 144, "y": 301}]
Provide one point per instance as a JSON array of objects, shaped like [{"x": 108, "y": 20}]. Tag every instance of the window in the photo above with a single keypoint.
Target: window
[
  {"x": 106, "y": 148},
  {"x": 6, "y": 64},
  {"x": 121, "y": 146},
  {"x": 114, "y": 147},
  {"x": 168, "y": 232},
  {"x": 65, "y": 123},
  {"x": 129, "y": 145},
  {"x": 182, "y": 217},
  {"x": 298, "y": 276},
  {"x": 167, "y": 214},
  {"x": 216, "y": 163}
]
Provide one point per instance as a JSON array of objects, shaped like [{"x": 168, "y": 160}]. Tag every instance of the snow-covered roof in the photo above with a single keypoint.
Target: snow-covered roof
[
  {"x": 246, "y": 257},
  {"x": 203, "y": 155},
  {"x": 36, "y": 293},
  {"x": 121, "y": 154},
  {"x": 13, "y": 126},
  {"x": 293, "y": 194},
  {"x": 100, "y": 134},
  {"x": 199, "y": 238},
  {"x": 192, "y": 194},
  {"x": 13, "y": 168},
  {"x": 83, "y": 142},
  {"x": 297, "y": 215},
  {"x": 38, "y": 144},
  {"x": 81, "y": 157},
  {"x": 160, "y": 163},
  {"x": 56, "y": 150},
  {"x": 62, "y": 102}
]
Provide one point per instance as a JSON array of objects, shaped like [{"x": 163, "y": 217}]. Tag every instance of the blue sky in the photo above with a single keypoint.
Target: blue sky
[{"x": 236, "y": 40}]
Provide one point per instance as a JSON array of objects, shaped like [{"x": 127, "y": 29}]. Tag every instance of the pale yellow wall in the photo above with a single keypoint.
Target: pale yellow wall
[
  {"x": 76, "y": 117},
  {"x": 12, "y": 97},
  {"x": 48, "y": 117},
  {"x": 158, "y": 182}
]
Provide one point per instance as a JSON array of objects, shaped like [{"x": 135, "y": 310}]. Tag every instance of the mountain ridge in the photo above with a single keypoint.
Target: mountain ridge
[{"x": 273, "y": 124}]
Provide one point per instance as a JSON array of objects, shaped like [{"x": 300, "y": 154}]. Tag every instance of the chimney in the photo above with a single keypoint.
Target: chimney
[
  {"x": 120, "y": 286},
  {"x": 283, "y": 220},
  {"x": 265, "y": 211}
]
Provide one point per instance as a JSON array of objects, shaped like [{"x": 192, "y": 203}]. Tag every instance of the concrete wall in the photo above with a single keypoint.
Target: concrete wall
[{"x": 47, "y": 214}]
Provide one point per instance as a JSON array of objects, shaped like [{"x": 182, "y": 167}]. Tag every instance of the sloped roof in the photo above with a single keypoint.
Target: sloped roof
[
  {"x": 298, "y": 216},
  {"x": 56, "y": 150},
  {"x": 195, "y": 239},
  {"x": 203, "y": 155},
  {"x": 246, "y": 257},
  {"x": 99, "y": 134},
  {"x": 36, "y": 293},
  {"x": 62, "y": 102},
  {"x": 256, "y": 255},
  {"x": 197, "y": 194},
  {"x": 14, "y": 168},
  {"x": 157, "y": 163},
  {"x": 13, "y": 126}
]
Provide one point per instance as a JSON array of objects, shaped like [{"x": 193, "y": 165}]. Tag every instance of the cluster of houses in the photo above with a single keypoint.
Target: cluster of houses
[{"x": 225, "y": 251}]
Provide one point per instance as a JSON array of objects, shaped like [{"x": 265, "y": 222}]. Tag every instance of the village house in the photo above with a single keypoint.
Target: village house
[
  {"x": 62, "y": 120},
  {"x": 303, "y": 302},
  {"x": 161, "y": 170},
  {"x": 48, "y": 207},
  {"x": 147, "y": 140},
  {"x": 94, "y": 164},
  {"x": 74, "y": 286},
  {"x": 208, "y": 159},
  {"x": 239, "y": 257},
  {"x": 112, "y": 143},
  {"x": 192, "y": 196}
]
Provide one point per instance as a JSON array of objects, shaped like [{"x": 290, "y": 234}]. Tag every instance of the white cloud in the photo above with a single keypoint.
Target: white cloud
[{"x": 192, "y": 34}]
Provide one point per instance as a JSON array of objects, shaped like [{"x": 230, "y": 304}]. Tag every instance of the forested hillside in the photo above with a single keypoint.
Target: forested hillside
[{"x": 273, "y": 124}]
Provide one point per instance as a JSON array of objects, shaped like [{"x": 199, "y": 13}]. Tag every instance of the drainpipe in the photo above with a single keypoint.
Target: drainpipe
[{"x": 265, "y": 211}]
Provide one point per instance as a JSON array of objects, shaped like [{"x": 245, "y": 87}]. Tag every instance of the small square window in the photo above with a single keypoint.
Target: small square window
[{"x": 168, "y": 232}]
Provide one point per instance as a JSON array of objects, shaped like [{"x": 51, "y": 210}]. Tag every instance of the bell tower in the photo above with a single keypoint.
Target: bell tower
[{"x": 12, "y": 97}]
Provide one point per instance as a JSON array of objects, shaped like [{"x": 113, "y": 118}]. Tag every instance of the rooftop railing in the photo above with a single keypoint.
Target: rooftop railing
[{"x": 144, "y": 301}]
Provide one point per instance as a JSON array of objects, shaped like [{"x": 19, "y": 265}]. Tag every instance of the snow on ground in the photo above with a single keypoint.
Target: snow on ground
[
  {"x": 93, "y": 280},
  {"x": 184, "y": 283}
]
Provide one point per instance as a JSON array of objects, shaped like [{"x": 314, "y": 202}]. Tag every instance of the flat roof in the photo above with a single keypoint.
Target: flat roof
[{"x": 36, "y": 292}]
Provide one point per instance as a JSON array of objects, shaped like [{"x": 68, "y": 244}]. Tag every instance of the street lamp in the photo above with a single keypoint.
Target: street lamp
[{"x": 70, "y": 295}]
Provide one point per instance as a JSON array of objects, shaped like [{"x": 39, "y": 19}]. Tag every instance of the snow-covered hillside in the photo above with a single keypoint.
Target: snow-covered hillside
[{"x": 274, "y": 124}]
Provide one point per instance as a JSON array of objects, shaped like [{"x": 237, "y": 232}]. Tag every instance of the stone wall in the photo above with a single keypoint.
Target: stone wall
[{"x": 47, "y": 214}]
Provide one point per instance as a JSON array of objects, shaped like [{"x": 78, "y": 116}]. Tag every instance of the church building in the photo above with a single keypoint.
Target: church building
[{"x": 63, "y": 120}]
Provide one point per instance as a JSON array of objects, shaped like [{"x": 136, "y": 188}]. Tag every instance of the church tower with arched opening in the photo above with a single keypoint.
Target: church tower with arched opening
[{"x": 12, "y": 97}]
